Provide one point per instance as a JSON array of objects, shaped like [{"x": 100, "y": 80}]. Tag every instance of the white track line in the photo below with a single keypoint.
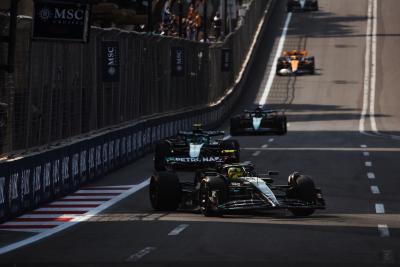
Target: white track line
[
  {"x": 64, "y": 209},
  {"x": 178, "y": 229},
  {"x": 272, "y": 73},
  {"x": 86, "y": 197},
  {"x": 114, "y": 186},
  {"x": 371, "y": 175},
  {"x": 66, "y": 202},
  {"x": 264, "y": 146},
  {"x": 387, "y": 256},
  {"x": 379, "y": 208},
  {"x": 271, "y": 140},
  {"x": 47, "y": 216},
  {"x": 368, "y": 164},
  {"x": 375, "y": 190},
  {"x": 138, "y": 255},
  {"x": 364, "y": 111},
  {"x": 366, "y": 154},
  {"x": 111, "y": 191},
  {"x": 373, "y": 67},
  {"x": 77, "y": 219},
  {"x": 11, "y": 223},
  {"x": 255, "y": 154},
  {"x": 383, "y": 230}
]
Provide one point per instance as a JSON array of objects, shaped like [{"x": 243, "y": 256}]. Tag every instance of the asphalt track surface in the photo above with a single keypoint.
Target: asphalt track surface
[{"x": 323, "y": 140}]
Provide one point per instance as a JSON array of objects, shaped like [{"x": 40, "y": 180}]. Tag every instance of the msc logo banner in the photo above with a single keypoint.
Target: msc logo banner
[
  {"x": 60, "y": 20},
  {"x": 110, "y": 61}
]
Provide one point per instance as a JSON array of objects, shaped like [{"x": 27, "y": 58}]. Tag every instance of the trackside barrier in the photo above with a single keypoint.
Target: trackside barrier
[{"x": 30, "y": 181}]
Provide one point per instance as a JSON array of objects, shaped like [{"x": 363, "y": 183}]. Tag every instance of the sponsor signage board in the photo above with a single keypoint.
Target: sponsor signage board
[
  {"x": 110, "y": 61},
  {"x": 177, "y": 61},
  {"x": 60, "y": 21}
]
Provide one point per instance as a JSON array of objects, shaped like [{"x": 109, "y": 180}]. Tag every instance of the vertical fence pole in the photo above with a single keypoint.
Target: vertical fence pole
[
  {"x": 149, "y": 16},
  {"x": 205, "y": 21}
]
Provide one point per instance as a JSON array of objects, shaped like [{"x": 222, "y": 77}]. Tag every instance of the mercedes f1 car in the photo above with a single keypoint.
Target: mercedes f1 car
[
  {"x": 195, "y": 149},
  {"x": 295, "y": 62},
  {"x": 302, "y": 5},
  {"x": 234, "y": 187},
  {"x": 259, "y": 121}
]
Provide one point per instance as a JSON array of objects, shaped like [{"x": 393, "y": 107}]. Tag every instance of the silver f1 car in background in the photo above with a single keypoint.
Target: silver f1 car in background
[
  {"x": 259, "y": 122},
  {"x": 302, "y": 5}
]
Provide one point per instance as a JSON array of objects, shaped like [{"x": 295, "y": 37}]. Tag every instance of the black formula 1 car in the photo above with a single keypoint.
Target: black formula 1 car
[
  {"x": 258, "y": 122},
  {"x": 302, "y": 5},
  {"x": 295, "y": 62},
  {"x": 234, "y": 187},
  {"x": 194, "y": 150}
]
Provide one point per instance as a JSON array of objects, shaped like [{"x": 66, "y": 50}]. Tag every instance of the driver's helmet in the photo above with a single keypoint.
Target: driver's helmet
[
  {"x": 293, "y": 57},
  {"x": 197, "y": 139},
  {"x": 235, "y": 172},
  {"x": 258, "y": 111}
]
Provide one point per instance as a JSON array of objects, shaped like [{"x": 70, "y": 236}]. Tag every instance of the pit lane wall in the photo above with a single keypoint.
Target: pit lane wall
[{"x": 30, "y": 180}]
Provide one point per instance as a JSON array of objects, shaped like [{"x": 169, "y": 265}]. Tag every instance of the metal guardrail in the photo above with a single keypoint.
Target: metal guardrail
[{"x": 26, "y": 182}]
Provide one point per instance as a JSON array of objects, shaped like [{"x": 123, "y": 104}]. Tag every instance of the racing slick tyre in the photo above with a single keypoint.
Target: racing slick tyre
[
  {"x": 312, "y": 70},
  {"x": 282, "y": 124},
  {"x": 303, "y": 188},
  {"x": 235, "y": 125},
  {"x": 165, "y": 191},
  {"x": 232, "y": 145},
  {"x": 161, "y": 152},
  {"x": 213, "y": 192}
]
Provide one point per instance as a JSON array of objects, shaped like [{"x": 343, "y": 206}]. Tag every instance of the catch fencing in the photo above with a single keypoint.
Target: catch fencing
[{"x": 88, "y": 127}]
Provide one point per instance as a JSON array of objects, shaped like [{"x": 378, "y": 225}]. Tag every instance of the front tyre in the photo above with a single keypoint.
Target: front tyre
[
  {"x": 303, "y": 188},
  {"x": 213, "y": 192},
  {"x": 165, "y": 191}
]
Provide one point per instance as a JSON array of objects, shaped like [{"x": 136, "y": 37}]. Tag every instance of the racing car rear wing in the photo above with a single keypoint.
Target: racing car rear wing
[
  {"x": 295, "y": 53},
  {"x": 266, "y": 111},
  {"x": 202, "y": 133}
]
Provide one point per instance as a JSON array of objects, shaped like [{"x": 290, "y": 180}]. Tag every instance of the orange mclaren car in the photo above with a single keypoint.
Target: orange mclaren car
[{"x": 295, "y": 62}]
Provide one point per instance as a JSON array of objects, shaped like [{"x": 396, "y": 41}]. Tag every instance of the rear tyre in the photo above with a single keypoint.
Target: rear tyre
[
  {"x": 161, "y": 152},
  {"x": 213, "y": 192},
  {"x": 165, "y": 191},
  {"x": 312, "y": 68},
  {"x": 303, "y": 188}
]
